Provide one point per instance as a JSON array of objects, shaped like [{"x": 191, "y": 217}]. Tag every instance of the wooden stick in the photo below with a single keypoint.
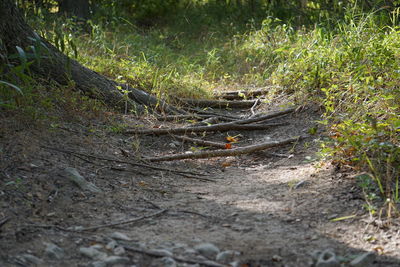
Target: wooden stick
[
  {"x": 234, "y": 95},
  {"x": 209, "y": 128},
  {"x": 180, "y": 259},
  {"x": 183, "y": 117},
  {"x": 218, "y": 103},
  {"x": 199, "y": 141},
  {"x": 226, "y": 152},
  {"x": 92, "y": 228}
]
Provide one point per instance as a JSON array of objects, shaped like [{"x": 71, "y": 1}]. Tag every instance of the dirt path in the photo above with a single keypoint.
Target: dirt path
[{"x": 271, "y": 208}]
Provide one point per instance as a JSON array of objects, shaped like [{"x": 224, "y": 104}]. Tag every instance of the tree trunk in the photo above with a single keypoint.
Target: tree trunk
[{"x": 14, "y": 31}]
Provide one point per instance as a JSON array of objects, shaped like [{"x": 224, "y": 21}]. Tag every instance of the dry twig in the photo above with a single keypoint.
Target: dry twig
[
  {"x": 207, "y": 103},
  {"x": 199, "y": 141},
  {"x": 92, "y": 228}
]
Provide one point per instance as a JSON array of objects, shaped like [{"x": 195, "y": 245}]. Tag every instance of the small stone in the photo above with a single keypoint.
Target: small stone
[
  {"x": 162, "y": 252},
  {"x": 277, "y": 258},
  {"x": 98, "y": 264},
  {"x": 235, "y": 264},
  {"x": 208, "y": 250},
  {"x": 93, "y": 253},
  {"x": 227, "y": 256},
  {"x": 29, "y": 258},
  {"x": 111, "y": 245},
  {"x": 365, "y": 259},
  {"x": 301, "y": 184},
  {"x": 315, "y": 255},
  {"x": 73, "y": 175},
  {"x": 189, "y": 252},
  {"x": 114, "y": 260},
  {"x": 164, "y": 262},
  {"x": 53, "y": 251},
  {"x": 120, "y": 236},
  {"x": 119, "y": 251},
  {"x": 327, "y": 258}
]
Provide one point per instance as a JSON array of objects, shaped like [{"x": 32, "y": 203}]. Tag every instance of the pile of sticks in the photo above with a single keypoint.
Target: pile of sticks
[{"x": 217, "y": 122}]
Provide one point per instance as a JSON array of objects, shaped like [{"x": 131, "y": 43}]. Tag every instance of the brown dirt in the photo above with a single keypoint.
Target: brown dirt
[{"x": 251, "y": 205}]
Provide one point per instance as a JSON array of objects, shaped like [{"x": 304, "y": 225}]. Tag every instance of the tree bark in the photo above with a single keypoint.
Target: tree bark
[{"x": 14, "y": 31}]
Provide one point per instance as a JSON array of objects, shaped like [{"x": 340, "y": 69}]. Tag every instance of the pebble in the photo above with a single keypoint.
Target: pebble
[
  {"x": 327, "y": 258},
  {"x": 227, "y": 256},
  {"x": 301, "y": 184},
  {"x": 29, "y": 258},
  {"x": 111, "y": 245},
  {"x": 120, "y": 236},
  {"x": 93, "y": 253},
  {"x": 162, "y": 252},
  {"x": 365, "y": 259},
  {"x": 114, "y": 260},
  {"x": 80, "y": 181},
  {"x": 164, "y": 262},
  {"x": 53, "y": 251},
  {"x": 98, "y": 264},
  {"x": 208, "y": 250},
  {"x": 119, "y": 251},
  {"x": 189, "y": 251}
]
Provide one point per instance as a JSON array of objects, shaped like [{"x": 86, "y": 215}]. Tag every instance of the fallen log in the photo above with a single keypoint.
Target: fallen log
[
  {"x": 225, "y": 152},
  {"x": 183, "y": 117},
  {"x": 199, "y": 141},
  {"x": 209, "y": 128},
  {"x": 241, "y": 94},
  {"x": 207, "y": 103}
]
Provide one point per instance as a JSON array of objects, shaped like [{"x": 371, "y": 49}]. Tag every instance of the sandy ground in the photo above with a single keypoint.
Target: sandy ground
[{"x": 274, "y": 207}]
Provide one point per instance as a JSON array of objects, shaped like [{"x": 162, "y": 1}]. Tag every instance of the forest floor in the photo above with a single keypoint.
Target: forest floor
[{"x": 270, "y": 208}]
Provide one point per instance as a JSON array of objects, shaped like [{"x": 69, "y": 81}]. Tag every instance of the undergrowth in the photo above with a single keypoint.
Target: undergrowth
[{"x": 348, "y": 64}]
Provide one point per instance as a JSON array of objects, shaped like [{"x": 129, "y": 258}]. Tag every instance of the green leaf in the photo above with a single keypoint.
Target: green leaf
[
  {"x": 22, "y": 55},
  {"x": 19, "y": 90}
]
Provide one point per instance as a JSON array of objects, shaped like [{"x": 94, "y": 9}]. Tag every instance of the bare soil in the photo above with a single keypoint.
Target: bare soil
[{"x": 275, "y": 207}]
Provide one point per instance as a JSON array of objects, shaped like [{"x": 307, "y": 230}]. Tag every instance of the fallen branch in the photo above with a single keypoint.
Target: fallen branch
[
  {"x": 92, "y": 228},
  {"x": 209, "y": 128},
  {"x": 217, "y": 114},
  {"x": 199, "y": 141},
  {"x": 156, "y": 253},
  {"x": 3, "y": 221},
  {"x": 226, "y": 152},
  {"x": 235, "y": 95},
  {"x": 183, "y": 117},
  {"x": 207, "y": 103}
]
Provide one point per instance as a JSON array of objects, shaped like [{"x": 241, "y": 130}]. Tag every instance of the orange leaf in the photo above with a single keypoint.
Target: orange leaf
[
  {"x": 228, "y": 146},
  {"x": 142, "y": 183},
  {"x": 226, "y": 164},
  {"x": 231, "y": 139}
]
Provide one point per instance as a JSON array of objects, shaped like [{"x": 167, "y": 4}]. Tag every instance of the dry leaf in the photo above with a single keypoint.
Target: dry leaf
[
  {"x": 379, "y": 250},
  {"x": 226, "y": 164},
  {"x": 228, "y": 146},
  {"x": 142, "y": 183},
  {"x": 232, "y": 139}
]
